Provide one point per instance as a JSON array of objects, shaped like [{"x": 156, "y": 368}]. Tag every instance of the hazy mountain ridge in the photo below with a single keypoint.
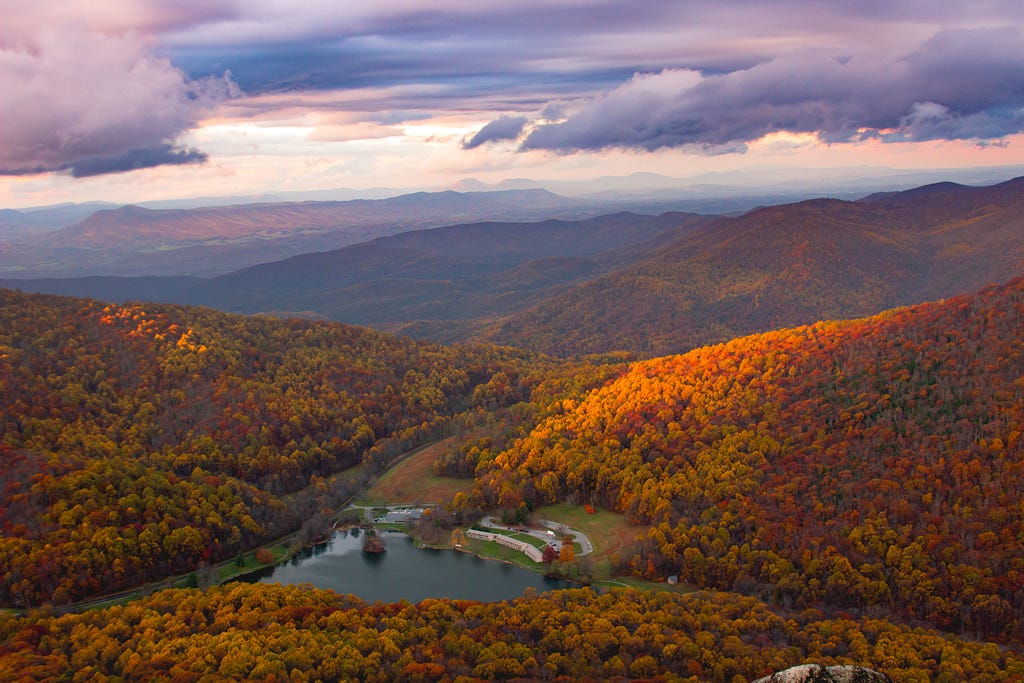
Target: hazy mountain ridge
[
  {"x": 786, "y": 265},
  {"x": 444, "y": 274},
  {"x": 648, "y": 285},
  {"x": 116, "y": 289},
  {"x": 19, "y": 223},
  {"x": 132, "y": 240},
  {"x": 787, "y": 184}
]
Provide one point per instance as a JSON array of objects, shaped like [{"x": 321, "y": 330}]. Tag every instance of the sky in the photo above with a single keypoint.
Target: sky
[{"x": 134, "y": 100}]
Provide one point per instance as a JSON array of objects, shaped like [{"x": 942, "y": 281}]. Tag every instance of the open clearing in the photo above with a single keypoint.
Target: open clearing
[
  {"x": 414, "y": 481},
  {"x": 492, "y": 550},
  {"x": 608, "y": 531}
]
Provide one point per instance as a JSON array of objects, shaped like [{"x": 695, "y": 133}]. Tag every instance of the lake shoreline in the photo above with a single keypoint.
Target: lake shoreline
[{"x": 408, "y": 571}]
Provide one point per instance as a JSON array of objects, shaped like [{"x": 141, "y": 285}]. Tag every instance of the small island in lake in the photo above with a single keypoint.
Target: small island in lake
[{"x": 372, "y": 543}]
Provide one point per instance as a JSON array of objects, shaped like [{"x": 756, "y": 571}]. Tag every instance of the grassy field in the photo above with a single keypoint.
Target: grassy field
[
  {"x": 231, "y": 569},
  {"x": 608, "y": 531},
  {"x": 414, "y": 481},
  {"x": 645, "y": 585},
  {"x": 526, "y": 538},
  {"x": 532, "y": 540},
  {"x": 492, "y": 550}
]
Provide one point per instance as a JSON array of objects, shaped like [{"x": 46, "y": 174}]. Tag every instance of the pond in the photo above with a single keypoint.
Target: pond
[{"x": 404, "y": 572}]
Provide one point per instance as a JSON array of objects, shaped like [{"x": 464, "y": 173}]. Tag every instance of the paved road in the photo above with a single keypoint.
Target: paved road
[
  {"x": 554, "y": 541},
  {"x": 561, "y": 530}
]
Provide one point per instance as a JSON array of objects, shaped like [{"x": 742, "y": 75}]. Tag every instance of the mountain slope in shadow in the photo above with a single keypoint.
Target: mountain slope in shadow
[{"x": 786, "y": 265}]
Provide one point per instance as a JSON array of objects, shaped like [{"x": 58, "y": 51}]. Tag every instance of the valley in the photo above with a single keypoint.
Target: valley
[
  {"x": 820, "y": 446},
  {"x": 625, "y": 282},
  {"x": 135, "y": 241},
  {"x": 669, "y": 342}
]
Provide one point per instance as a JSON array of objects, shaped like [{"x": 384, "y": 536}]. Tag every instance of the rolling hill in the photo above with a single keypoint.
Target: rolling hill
[
  {"x": 207, "y": 241},
  {"x": 858, "y": 480},
  {"x": 870, "y": 464},
  {"x": 786, "y": 265},
  {"x": 138, "y": 442},
  {"x": 442, "y": 279},
  {"x": 443, "y": 275}
]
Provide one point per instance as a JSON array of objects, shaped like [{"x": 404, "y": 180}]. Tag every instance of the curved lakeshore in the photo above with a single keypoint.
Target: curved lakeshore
[{"x": 405, "y": 572}]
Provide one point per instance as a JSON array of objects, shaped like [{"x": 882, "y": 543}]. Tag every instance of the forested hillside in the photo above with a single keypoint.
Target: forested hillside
[
  {"x": 141, "y": 441},
  {"x": 267, "y": 632},
  {"x": 647, "y": 285},
  {"x": 783, "y": 266},
  {"x": 868, "y": 464},
  {"x": 854, "y": 485}
]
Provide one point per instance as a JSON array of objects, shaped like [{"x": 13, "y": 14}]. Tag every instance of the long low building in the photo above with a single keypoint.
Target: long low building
[{"x": 522, "y": 546}]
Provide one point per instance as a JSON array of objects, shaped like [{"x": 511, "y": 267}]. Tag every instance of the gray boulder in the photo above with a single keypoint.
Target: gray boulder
[{"x": 816, "y": 673}]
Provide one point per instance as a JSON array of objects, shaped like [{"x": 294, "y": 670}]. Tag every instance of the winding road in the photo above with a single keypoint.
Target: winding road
[{"x": 586, "y": 547}]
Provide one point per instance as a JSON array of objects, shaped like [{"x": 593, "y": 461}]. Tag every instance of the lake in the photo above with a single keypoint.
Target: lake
[{"x": 404, "y": 572}]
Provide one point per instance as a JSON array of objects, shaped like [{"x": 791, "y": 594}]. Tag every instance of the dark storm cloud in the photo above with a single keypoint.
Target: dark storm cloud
[
  {"x": 274, "y": 47},
  {"x": 502, "y": 128},
  {"x": 132, "y": 160},
  {"x": 754, "y": 71},
  {"x": 530, "y": 49},
  {"x": 460, "y": 69},
  {"x": 961, "y": 84}
]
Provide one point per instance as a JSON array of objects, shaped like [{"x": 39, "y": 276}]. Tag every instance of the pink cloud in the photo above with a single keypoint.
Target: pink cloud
[{"x": 72, "y": 97}]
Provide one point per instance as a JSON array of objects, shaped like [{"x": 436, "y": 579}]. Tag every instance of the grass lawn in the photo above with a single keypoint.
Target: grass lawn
[
  {"x": 229, "y": 569},
  {"x": 532, "y": 540},
  {"x": 414, "y": 481},
  {"x": 608, "y": 531},
  {"x": 526, "y": 538},
  {"x": 494, "y": 550},
  {"x": 645, "y": 585}
]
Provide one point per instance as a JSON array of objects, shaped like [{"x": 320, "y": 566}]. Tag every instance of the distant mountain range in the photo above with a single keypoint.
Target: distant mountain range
[
  {"x": 768, "y": 185},
  {"x": 176, "y": 238},
  {"x": 208, "y": 241},
  {"x": 449, "y": 274},
  {"x": 649, "y": 285},
  {"x": 787, "y": 265},
  {"x": 446, "y": 275}
]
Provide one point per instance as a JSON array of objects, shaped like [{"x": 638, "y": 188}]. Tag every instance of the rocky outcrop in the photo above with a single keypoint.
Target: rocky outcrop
[{"x": 816, "y": 673}]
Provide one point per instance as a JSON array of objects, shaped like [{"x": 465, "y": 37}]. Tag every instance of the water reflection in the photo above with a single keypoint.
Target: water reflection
[{"x": 404, "y": 572}]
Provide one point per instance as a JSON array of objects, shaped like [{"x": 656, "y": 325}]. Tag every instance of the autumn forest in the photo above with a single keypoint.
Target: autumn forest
[{"x": 841, "y": 491}]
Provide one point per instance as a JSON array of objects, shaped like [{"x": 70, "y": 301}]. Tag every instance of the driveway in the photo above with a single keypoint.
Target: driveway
[{"x": 552, "y": 539}]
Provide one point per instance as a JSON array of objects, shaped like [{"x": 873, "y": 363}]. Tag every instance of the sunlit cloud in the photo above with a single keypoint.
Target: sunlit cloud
[
  {"x": 89, "y": 103},
  {"x": 417, "y": 92},
  {"x": 906, "y": 97}
]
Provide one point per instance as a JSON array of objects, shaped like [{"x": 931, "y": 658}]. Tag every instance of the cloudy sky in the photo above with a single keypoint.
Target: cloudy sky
[{"x": 129, "y": 100}]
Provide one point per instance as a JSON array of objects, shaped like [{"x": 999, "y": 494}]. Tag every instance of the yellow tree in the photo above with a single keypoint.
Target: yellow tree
[{"x": 566, "y": 554}]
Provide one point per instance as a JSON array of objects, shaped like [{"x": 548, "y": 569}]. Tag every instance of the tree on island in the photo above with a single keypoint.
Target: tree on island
[{"x": 372, "y": 543}]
